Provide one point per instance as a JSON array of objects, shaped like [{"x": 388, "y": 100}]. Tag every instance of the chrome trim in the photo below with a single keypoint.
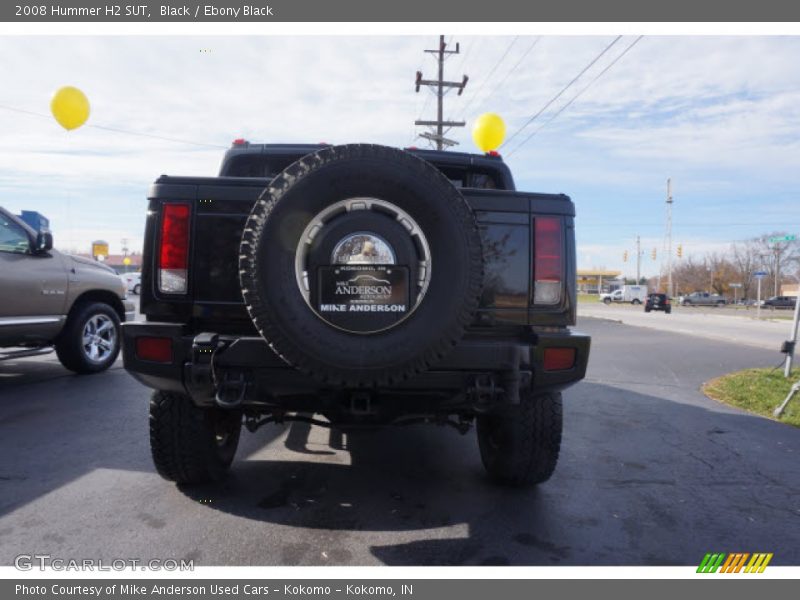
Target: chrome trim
[
  {"x": 31, "y": 320},
  {"x": 353, "y": 204}
]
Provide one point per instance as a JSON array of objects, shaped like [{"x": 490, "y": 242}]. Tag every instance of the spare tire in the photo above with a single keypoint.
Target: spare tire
[{"x": 361, "y": 265}]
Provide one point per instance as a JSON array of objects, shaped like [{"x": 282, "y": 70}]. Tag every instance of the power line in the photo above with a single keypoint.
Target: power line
[
  {"x": 116, "y": 130},
  {"x": 488, "y": 77},
  {"x": 564, "y": 89},
  {"x": 511, "y": 72},
  {"x": 576, "y": 96}
]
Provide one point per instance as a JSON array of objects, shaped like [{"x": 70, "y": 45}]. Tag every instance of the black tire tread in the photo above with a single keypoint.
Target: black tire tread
[
  {"x": 181, "y": 440},
  {"x": 535, "y": 430},
  {"x": 260, "y": 311}
]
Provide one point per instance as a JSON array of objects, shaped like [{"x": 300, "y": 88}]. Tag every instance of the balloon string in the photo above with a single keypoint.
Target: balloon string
[{"x": 116, "y": 130}]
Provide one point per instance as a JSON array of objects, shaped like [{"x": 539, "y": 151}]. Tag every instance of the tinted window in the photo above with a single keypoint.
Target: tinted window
[
  {"x": 256, "y": 165},
  {"x": 12, "y": 237},
  {"x": 507, "y": 268}
]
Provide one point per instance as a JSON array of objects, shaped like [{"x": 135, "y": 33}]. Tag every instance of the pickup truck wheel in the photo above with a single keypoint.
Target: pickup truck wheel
[
  {"x": 636, "y": 302},
  {"x": 191, "y": 444},
  {"x": 606, "y": 300},
  {"x": 90, "y": 340},
  {"x": 520, "y": 446},
  {"x": 137, "y": 289},
  {"x": 361, "y": 265}
]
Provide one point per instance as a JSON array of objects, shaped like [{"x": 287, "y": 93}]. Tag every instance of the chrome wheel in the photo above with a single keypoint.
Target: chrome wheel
[
  {"x": 99, "y": 338},
  {"x": 364, "y": 247}
]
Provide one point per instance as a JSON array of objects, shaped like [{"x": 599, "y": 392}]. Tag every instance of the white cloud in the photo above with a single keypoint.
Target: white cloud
[{"x": 720, "y": 115}]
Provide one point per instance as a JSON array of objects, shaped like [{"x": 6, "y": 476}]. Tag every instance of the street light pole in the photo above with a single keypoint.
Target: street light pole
[{"x": 669, "y": 238}]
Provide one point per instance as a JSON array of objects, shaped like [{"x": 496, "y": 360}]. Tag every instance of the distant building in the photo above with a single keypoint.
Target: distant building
[
  {"x": 790, "y": 289},
  {"x": 598, "y": 281}
]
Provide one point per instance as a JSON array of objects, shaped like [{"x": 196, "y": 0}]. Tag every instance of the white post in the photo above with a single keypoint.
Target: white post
[
  {"x": 758, "y": 300},
  {"x": 787, "y": 370}
]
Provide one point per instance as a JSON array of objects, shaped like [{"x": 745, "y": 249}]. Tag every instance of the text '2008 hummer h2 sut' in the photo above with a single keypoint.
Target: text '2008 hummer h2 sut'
[{"x": 356, "y": 286}]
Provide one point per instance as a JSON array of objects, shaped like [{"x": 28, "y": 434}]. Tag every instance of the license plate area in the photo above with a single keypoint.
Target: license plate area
[{"x": 362, "y": 298}]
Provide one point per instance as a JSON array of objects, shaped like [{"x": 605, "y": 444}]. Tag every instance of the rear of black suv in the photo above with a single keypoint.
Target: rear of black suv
[{"x": 360, "y": 286}]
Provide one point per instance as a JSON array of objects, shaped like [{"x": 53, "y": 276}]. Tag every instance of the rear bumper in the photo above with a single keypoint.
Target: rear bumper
[{"x": 268, "y": 377}]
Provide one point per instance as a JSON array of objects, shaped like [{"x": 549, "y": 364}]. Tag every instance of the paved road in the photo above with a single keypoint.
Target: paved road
[
  {"x": 713, "y": 324},
  {"x": 652, "y": 472}
]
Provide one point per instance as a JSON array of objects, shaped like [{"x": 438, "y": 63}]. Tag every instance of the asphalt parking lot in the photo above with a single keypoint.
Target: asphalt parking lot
[{"x": 651, "y": 472}]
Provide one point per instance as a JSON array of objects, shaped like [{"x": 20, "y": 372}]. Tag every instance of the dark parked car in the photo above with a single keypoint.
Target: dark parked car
[
  {"x": 780, "y": 302},
  {"x": 658, "y": 302}
]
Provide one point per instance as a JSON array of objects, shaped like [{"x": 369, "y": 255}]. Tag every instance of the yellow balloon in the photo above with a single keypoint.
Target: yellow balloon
[
  {"x": 70, "y": 107},
  {"x": 488, "y": 132}
]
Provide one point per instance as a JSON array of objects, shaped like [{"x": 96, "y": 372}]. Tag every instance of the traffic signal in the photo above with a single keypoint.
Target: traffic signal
[
  {"x": 653, "y": 254},
  {"x": 680, "y": 250},
  {"x": 625, "y": 256}
]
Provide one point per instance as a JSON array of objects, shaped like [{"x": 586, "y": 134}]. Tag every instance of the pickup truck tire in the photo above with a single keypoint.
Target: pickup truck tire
[
  {"x": 270, "y": 248},
  {"x": 191, "y": 444},
  {"x": 91, "y": 338},
  {"x": 606, "y": 301},
  {"x": 137, "y": 289},
  {"x": 520, "y": 445},
  {"x": 636, "y": 302}
]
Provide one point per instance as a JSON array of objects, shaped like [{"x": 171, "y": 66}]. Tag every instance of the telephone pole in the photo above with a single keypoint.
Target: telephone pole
[
  {"x": 638, "y": 260},
  {"x": 442, "y": 87},
  {"x": 669, "y": 237}
]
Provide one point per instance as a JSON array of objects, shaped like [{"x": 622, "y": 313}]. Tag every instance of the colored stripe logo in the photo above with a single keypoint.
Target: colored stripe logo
[{"x": 736, "y": 562}]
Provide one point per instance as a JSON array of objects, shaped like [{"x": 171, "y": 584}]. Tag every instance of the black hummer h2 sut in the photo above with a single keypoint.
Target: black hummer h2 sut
[{"x": 356, "y": 286}]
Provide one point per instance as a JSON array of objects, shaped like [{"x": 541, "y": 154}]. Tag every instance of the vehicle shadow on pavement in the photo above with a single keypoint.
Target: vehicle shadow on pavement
[
  {"x": 57, "y": 428},
  {"x": 642, "y": 480}
]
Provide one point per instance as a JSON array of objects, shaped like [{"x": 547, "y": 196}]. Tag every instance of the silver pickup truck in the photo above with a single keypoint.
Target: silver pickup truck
[
  {"x": 49, "y": 299},
  {"x": 701, "y": 299}
]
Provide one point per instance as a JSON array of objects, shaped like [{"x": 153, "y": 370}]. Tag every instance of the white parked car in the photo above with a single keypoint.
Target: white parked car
[{"x": 133, "y": 281}]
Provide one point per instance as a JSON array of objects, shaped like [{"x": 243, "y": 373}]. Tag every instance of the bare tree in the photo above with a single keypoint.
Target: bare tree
[
  {"x": 777, "y": 258},
  {"x": 746, "y": 260}
]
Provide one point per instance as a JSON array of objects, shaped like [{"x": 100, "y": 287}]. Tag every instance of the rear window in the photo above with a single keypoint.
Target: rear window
[
  {"x": 256, "y": 165},
  {"x": 465, "y": 178},
  {"x": 269, "y": 166}
]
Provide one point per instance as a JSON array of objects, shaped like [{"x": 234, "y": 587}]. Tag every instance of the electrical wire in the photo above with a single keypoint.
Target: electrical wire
[
  {"x": 576, "y": 96},
  {"x": 511, "y": 72},
  {"x": 564, "y": 89},
  {"x": 117, "y": 130},
  {"x": 488, "y": 77}
]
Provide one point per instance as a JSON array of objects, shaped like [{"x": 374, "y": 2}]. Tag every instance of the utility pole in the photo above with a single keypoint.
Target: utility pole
[
  {"x": 638, "y": 260},
  {"x": 669, "y": 237},
  {"x": 442, "y": 87}
]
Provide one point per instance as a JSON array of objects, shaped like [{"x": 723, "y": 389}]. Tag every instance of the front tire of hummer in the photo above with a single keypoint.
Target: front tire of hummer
[
  {"x": 190, "y": 444},
  {"x": 520, "y": 446}
]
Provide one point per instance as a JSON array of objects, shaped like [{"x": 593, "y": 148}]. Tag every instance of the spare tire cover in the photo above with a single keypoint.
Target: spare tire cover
[{"x": 361, "y": 265}]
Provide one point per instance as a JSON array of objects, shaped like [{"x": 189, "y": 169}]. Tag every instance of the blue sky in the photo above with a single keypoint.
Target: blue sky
[{"x": 720, "y": 115}]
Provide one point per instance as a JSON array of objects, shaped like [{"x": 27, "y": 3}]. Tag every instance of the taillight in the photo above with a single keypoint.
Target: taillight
[
  {"x": 154, "y": 349},
  {"x": 558, "y": 359},
  {"x": 547, "y": 260},
  {"x": 173, "y": 263}
]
